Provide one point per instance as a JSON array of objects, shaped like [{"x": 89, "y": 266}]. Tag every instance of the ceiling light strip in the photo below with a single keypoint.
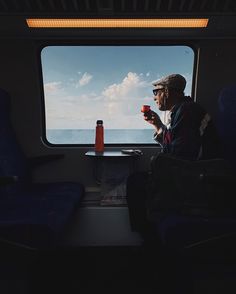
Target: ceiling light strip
[{"x": 117, "y": 23}]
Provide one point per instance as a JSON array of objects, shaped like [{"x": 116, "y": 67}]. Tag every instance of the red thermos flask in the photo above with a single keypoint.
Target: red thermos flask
[{"x": 99, "y": 137}]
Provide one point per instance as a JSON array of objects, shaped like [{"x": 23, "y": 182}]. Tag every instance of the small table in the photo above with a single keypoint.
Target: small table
[
  {"x": 109, "y": 154},
  {"x": 111, "y": 171}
]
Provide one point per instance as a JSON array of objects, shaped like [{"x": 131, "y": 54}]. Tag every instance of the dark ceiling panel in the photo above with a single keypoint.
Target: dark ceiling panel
[
  {"x": 191, "y": 4},
  {"x": 232, "y": 6},
  {"x": 64, "y": 5},
  {"x": 134, "y": 5},
  {"x": 51, "y": 5},
  {"x": 75, "y": 5},
  {"x": 119, "y": 8},
  {"x": 170, "y": 5},
  {"x": 226, "y": 5},
  {"x": 105, "y": 7},
  {"x": 27, "y": 5},
  {"x": 158, "y": 5},
  {"x": 40, "y": 5},
  {"x": 87, "y": 4},
  {"x": 203, "y": 5},
  {"x": 146, "y": 5},
  {"x": 3, "y": 5}
]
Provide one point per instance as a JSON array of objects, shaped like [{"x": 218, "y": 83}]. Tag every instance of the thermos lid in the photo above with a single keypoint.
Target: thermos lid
[{"x": 99, "y": 122}]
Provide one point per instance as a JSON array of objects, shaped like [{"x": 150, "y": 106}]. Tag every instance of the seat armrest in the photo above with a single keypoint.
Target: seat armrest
[
  {"x": 211, "y": 240},
  {"x": 43, "y": 159},
  {"x": 218, "y": 179},
  {"x": 8, "y": 244},
  {"x": 8, "y": 180},
  {"x": 13, "y": 252}
]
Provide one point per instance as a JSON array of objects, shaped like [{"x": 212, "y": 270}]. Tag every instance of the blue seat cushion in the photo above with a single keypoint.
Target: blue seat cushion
[
  {"x": 227, "y": 122},
  {"x": 72, "y": 191},
  {"x": 178, "y": 231},
  {"x": 39, "y": 216}
]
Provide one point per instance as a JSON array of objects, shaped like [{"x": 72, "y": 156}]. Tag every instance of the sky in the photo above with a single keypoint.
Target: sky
[{"x": 85, "y": 83}]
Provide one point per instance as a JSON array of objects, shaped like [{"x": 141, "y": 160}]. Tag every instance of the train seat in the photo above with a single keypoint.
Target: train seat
[
  {"x": 31, "y": 213},
  {"x": 197, "y": 228},
  {"x": 227, "y": 122}
]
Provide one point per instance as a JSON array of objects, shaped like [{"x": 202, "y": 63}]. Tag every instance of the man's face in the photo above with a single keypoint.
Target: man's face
[{"x": 160, "y": 98}]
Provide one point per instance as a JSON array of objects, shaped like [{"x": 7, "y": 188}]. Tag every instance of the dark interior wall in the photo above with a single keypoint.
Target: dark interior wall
[
  {"x": 20, "y": 76},
  {"x": 216, "y": 69}
]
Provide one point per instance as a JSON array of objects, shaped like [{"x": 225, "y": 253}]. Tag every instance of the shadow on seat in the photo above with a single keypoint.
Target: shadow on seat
[
  {"x": 205, "y": 188},
  {"x": 227, "y": 122},
  {"x": 33, "y": 214},
  {"x": 203, "y": 231}
]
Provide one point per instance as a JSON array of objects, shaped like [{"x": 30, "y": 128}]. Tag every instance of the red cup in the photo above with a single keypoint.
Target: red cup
[{"x": 145, "y": 108}]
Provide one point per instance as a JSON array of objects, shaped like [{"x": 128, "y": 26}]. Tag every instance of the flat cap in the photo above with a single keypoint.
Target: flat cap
[{"x": 174, "y": 81}]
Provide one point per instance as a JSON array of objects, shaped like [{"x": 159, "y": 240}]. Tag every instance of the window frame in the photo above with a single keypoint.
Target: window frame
[{"x": 108, "y": 43}]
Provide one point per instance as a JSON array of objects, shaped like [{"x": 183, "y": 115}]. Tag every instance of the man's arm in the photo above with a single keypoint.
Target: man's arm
[
  {"x": 158, "y": 135},
  {"x": 158, "y": 126},
  {"x": 185, "y": 135}
]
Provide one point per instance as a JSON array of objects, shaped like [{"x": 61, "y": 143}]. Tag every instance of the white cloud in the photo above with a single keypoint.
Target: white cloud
[
  {"x": 86, "y": 78},
  {"x": 130, "y": 83},
  {"x": 52, "y": 87},
  {"x": 118, "y": 105}
]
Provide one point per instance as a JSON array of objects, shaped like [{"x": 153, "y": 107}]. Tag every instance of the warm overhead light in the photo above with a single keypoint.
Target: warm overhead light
[{"x": 117, "y": 23}]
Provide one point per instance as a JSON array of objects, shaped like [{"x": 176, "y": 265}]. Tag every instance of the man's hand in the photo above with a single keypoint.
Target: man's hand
[{"x": 154, "y": 119}]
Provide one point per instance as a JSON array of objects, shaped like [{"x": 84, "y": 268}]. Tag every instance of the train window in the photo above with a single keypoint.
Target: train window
[{"x": 85, "y": 83}]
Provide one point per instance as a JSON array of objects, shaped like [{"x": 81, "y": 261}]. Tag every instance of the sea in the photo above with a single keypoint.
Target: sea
[{"x": 111, "y": 136}]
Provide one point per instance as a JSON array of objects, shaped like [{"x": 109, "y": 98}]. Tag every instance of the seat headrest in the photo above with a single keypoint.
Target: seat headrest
[
  {"x": 227, "y": 100},
  {"x": 5, "y": 101}
]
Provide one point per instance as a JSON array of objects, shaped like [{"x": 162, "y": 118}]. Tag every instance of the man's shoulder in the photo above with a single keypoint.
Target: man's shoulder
[
  {"x": 190, "y": 110},
  {"x": 191, "y": 106}
]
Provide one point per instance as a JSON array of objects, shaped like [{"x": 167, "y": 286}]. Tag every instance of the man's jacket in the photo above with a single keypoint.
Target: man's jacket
[{"x": 191, "y": 133}]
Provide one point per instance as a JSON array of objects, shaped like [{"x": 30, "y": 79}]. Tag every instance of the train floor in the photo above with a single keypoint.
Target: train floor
[{"x": 114, "y": 270}]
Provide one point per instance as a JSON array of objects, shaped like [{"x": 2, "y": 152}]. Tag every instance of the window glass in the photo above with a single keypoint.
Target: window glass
[{"x": 83, "y": 84}]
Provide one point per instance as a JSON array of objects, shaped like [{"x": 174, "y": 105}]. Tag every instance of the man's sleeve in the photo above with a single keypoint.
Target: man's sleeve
[
  {"x": 158, "y": 136},
  {"x": 186, "y": 139}
]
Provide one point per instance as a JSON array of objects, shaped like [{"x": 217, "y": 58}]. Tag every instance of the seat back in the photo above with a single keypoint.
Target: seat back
[
  {"x": 13, "y": 162},
  {"x": 227, "y": 123}
]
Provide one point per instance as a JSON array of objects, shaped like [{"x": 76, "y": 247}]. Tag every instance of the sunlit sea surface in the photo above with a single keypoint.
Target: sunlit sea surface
[{"x": 111, "y": 136}]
